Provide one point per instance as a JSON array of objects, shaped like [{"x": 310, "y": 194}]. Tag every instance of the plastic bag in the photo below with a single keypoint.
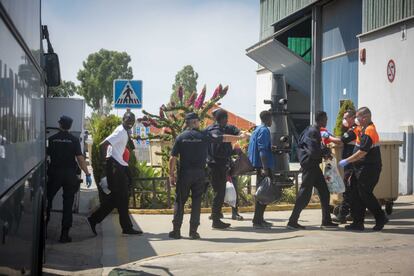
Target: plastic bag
[
  {"x": 104, "y": 185},
  {"x": 267, "y": 192},
  {"x": 231, "y": 195},
  {"x": 332, "y": 177},
  {"x": 241, "y": 165}
]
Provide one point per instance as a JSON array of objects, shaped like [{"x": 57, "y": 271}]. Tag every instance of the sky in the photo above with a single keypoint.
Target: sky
[{"x": 162, "y": 36}]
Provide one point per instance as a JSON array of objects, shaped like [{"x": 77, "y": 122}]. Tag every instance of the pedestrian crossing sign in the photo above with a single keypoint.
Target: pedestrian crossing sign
[{"x": 127, "y": 94}]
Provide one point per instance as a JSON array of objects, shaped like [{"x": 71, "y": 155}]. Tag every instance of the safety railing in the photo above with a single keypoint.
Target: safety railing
[
  {"x": 146, "y": 191},
  {"x": 155, "y": 192}
]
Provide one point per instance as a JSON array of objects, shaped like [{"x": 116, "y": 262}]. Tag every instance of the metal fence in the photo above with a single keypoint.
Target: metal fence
[
  {"x": 145, "y": 189},
  {"x": 155, "y": 193}
]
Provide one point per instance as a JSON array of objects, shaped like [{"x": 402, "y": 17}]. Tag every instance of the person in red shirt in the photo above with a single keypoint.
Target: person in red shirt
[{"x": 327, "y": 137}]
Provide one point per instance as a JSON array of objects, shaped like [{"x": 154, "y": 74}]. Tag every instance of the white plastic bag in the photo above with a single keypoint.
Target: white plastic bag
[
  {"x": 231, "y": 195},
  {"x": 104, "y": 185},
  {"x": 332, "y": 177}
]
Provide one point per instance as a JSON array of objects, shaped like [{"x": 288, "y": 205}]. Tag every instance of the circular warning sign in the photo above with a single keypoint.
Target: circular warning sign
[{"x": 391, "y": 70}]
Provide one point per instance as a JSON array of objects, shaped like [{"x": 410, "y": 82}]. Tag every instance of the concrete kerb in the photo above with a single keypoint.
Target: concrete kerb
[{"x": 280, "y": 207}]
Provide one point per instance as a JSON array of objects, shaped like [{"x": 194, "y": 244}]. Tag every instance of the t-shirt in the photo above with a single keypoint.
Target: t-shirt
[
  {"x": 118, "y": 140},
  {"x": 220, "y": 153},
  {"x": 260, "y": 144},
  {"x": 368, "y": 141},
  {"x": 325, "y": 141},
  {"x": 63, "y": 147},
  {"x": 192, "y": 146}
]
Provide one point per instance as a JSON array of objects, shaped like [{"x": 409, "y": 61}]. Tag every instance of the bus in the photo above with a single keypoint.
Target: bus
[{"x": 26, "y": 72}]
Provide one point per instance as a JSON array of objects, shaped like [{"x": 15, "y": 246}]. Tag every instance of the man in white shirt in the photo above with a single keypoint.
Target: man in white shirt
[{"x": 117, "y": 176}]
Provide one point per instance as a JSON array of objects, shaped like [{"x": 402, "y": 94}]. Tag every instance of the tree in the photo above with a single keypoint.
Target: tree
[
  {"x": 99, "y": 71},
  {"x": 346, "y": 105},
  {"x": 65, "y": 89},
  {"x": 187, "y": 79},
  {"x": 170, "y": 118}
]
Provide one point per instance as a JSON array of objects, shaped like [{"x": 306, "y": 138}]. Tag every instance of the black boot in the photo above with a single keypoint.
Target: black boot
[
  {"x": 64, "y": 236},
  {"x": 218, "y": 224},
  {"x": 235, "y": 215},
  {"x": 175, "y": 233},
  {"x": 355, "y": 227},
  {"x": 379, "y": 223},
  {"x": 193, "y": 233},
  {"x": 210, "y": 217},
  {"x": 131, "y": 231}
]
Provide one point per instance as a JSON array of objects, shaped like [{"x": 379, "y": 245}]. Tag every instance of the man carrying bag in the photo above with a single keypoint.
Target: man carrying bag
[{"x": 260, "y": 155}]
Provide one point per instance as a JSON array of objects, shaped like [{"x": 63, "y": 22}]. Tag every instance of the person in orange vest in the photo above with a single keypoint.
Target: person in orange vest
[{"x": 367, "y": 166}]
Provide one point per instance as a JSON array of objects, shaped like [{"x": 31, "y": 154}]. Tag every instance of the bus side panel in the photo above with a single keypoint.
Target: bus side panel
[
  {"x": 20, "y": 217},
  {"x": 22, "y": 137}
]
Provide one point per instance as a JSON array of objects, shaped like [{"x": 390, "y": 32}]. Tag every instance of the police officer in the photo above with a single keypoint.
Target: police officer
[
  {"x": 191, "y": 146},
  {"x": 367, "y": 164},
  {"x": 117, "y": 174},
  {"x": 348, "y": 140},
  {"x": 219, "y": 158},
  {"x": 310, "y": 153},
  {"x": 64, "y": 149}
]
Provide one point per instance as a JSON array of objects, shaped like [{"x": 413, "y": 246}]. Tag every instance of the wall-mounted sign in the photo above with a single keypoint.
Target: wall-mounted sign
[{"x": 391, "y": 70}]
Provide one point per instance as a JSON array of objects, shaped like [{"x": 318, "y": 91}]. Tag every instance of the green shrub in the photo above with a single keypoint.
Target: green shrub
[
  {"x": 143, "y": 188},
  {"x": 288, "y": 195},
  {"x": 339, "y": 129}
]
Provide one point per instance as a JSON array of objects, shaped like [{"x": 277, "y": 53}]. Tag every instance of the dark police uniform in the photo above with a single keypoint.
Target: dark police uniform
[
  {"x": 365, "y": 176},
  {"x": 219, "y": 158},
  {"x": 349, "y": 141},
  {"x": 63, "y": 148},
  {"x": 310, "y": 153},
  {"x": 191, "y": 146}
]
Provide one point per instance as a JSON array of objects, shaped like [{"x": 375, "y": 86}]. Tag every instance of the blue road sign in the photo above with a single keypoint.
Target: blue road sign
[
  {"x": 127, "y": 94},
  {"x": 143, "y": 132}
]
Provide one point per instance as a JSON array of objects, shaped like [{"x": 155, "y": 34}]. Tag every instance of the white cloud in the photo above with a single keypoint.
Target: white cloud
[{"x": 162, "y": 37}]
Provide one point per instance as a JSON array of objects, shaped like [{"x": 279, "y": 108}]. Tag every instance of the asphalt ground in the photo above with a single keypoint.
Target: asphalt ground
[{"x": 239, "y": 250}]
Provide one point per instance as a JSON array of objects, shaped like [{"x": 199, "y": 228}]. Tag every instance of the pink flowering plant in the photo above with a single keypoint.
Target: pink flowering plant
[{"x": 170, "y": 118}]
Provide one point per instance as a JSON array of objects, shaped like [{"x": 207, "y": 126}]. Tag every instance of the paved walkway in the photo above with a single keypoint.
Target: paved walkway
[{"x": 240, "y": 250}]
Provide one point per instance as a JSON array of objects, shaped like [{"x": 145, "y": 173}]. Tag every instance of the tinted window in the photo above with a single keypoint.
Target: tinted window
[
  {"x": 26, "y": 17},
  {"x": 21, "y": 112}
]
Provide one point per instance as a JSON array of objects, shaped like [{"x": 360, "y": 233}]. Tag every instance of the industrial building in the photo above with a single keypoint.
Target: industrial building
[{"x": 330, "y": 51}]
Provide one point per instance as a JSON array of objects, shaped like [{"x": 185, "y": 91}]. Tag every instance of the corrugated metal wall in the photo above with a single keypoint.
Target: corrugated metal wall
[
  {"x": 339, "y": 82},
  {"x": 339, "y": 32},
  {"x": 274, "y": 10},
  {"x": 340, "y": 55},
  {"x": 379, "y": 13}
]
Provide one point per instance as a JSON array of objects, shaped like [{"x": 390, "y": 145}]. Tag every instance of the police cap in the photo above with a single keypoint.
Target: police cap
[
  {"x": 65, "y": 122},
  {"x": 191, "y": 116}
]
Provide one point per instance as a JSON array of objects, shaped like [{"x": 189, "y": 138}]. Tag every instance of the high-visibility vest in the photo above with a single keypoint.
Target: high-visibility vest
[{"x": 371, "y": 131}]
